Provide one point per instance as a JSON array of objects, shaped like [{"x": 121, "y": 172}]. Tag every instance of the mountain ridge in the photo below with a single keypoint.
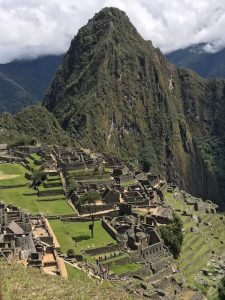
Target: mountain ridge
[
  {"x": 27, "y": 81},
  {"x": 206, "y": 64},
  {"x": 115, "y": 91}
]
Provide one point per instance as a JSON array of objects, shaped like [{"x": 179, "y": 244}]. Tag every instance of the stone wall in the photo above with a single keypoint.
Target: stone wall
[
  {"x": 119, "y": 261},
  {"x": 109, "y": 229},
  {"x": 85, "y": 209},
  {"x": 51, "y": 193},
  {"x": 103, "y": 250},
  {"x": 10, "y": 159},
  {"x": 52, "y": 184}
]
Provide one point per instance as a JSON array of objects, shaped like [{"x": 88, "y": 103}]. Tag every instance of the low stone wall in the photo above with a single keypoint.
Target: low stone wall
[
  {"x": 122, "y": 179},
  {"x": 119, "y": 261},
  {"x": 143, "y": 272},
  {"x": 108, "y": 182},
  {"x": 52, "y": 184},
  {"x": 148, "y": 253},
  {"x": 51, "y": 193},
  {"x": 52, "y": 173},
  {"x": 28, "y": 176},
  {"x": 38, "y": 162},
  {"x": 49, "y": 199},
  {"x": 78, "y": 219},
  {"x": 12, "y": 186},
  {"x": 10, "y": 159},
  {"x": 164, "y": 272},
  {"x": 102, "y": 250},
  {"x": 109, "y": 229},
  {"x": 85, "y": 209},
  {"x": 20, "y": 154}
]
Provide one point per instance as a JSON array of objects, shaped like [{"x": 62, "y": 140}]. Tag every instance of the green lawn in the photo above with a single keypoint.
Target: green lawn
[
  {"x": 129, "y": 182},
  {"x": 15, "y": 196},
  {"x": 77, "y": 236},
  {"x": 121, "y": 269},
  {"x": 12, "y": 169},
  {"x": 57, "y": 207}
]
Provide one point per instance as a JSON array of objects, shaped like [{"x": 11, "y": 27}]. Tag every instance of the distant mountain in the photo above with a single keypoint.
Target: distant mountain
[
  {"x": 209, "y": 65},
  {"x": 13, "y": 97},
  {"x": 115, "y": 92},
  {"x": 25, "y": 82},
  {"x": 34, "y": 123}
]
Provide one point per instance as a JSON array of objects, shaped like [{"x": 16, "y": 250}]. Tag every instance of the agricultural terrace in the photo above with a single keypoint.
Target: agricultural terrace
[
  {"x": 77, "y": 236},
  {"x": 199, "y": 248},
  {"x": 15, "y": 189},
  {"x": 12, "y": 174}
]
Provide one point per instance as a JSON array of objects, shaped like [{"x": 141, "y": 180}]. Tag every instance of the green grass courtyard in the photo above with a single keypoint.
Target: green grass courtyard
[{"x": 77, "y": 236}]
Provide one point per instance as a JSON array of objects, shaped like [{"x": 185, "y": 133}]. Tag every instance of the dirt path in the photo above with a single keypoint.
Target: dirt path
[{"x": 7, "y": 176}]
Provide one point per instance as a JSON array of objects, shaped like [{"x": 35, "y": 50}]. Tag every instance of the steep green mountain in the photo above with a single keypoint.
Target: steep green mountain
[
  {"x": 116, "y": 92},
  {"x": 33, "y": 124},
  {"x": 13, "y": 97},
  {"x": 209, "y": 65},
  {"x": 25, "y": 82}
]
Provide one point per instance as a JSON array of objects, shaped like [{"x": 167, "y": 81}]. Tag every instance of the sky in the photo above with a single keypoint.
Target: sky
[{"x": 31, "y": 28}]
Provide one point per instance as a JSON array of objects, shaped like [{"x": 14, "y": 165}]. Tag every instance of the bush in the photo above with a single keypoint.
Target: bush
[
  {"x": 221, "y": 289},
  {"x": 89, "y": 197},
  {"x": 70, "y": 253},
  {"x": 173, "y": 236}
]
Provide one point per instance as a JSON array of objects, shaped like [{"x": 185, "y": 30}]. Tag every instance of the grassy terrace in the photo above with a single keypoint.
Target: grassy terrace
[
  {"x": 77, "y": 235},
  {"x": 121, "y": 269},
  {"x": 25, "y": 197},
  {"x": 12, "y": 174},
  {"x": 197, "y": 248}
]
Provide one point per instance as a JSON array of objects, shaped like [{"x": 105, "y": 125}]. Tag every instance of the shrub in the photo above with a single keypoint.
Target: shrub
[
  {"x": 70, "y": 253},
  {"x": 173, "y": 236}
]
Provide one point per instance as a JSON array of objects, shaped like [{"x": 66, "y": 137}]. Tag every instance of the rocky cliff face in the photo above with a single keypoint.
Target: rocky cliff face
[{"x": 116, "y": 92}]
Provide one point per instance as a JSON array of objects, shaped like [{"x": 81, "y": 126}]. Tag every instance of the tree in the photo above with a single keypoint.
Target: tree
[
  {"x": 38, "y": 176},
  {"x": 70, "y": 253},
  {"x": 173, "y": 236},
  {"x": 73, "y": 186},
  {"x": 221, "y": 289},
  {"x": 89, "y": 199}
]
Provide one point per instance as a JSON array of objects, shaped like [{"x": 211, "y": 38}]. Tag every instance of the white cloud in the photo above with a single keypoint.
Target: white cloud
[{"x": 29, "y": 28}]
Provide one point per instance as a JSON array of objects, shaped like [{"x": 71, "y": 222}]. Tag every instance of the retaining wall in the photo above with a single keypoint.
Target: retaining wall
[{"x": 103, "y": 250}]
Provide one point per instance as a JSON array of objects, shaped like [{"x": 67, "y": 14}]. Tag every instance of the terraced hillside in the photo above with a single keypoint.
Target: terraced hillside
[
  {"x": 14, "y": 189},
  {"x": 203, "y": 253}
]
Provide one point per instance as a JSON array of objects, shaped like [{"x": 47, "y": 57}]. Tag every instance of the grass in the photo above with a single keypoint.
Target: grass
[
  {"x": 58, "y": 207},
  {"x": 21, "y": 283},
  {"x": 30, "y": 202},
  {"x": 76, "y": 274},
  {"x": 121, "y": 269},
  {"x": 12, "y": 169},
  {"x": 129, "y": 182},
  {"x": 35, "y": 156},
  {"x": 15, "y": 196},
  {"x": 77, "y": 236}
]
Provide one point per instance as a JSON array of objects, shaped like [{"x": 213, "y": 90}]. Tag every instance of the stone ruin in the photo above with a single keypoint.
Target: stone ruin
[{"x": 29, "y": 240}]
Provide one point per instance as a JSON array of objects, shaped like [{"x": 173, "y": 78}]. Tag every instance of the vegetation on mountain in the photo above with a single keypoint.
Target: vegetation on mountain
[
  {"x": 32, "y": 125},
  {"x": 25, "y": 82},
  {"x": 116, "y": 93},
  {"x": 173, "y": 236},
  {"x": 206, "y": 64},
  {"x": 13, "y": 97}
]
